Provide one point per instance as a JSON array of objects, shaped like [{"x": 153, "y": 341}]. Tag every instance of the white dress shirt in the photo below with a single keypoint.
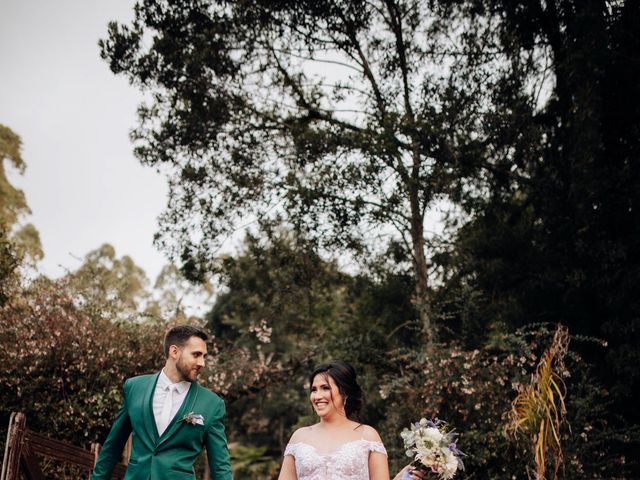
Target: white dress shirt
[{"x": 160, "y": 393}]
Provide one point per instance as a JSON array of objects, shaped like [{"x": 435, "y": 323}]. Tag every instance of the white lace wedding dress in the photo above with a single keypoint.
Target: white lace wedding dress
[{"x": 350, "y": 461}]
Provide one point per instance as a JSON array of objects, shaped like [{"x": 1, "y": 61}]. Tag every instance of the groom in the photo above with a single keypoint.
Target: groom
[{"x": 171, "y": 416}]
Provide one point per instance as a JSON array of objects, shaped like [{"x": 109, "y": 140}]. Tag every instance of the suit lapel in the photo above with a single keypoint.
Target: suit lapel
[
  {"x": 187, "y": 406},
  {"x": 147, "y": 409}
]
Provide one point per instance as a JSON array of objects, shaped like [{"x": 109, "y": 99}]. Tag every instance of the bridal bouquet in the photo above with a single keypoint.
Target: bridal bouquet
[{"x": 433, "y": 448}]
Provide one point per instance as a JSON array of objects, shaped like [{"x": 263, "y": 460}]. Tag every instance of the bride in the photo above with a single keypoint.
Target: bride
[{"x": 338, "y": 447}]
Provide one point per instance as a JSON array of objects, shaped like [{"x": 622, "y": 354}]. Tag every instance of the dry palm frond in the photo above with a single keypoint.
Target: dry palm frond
[{"x": 539, "y": 409}]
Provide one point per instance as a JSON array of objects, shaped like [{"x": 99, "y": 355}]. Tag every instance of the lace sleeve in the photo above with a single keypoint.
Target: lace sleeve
[
  {"x": 291, "y": 450},
  {"x": 377, "y": 447}
]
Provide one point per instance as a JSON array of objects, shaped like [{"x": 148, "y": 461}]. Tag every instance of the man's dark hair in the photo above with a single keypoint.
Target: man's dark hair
[{"x": 180, "y": 334}]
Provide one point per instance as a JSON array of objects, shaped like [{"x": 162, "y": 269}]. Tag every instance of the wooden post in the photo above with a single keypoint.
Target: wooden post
[
  {"x": 207, "y": 472},
  {"x": 13, "y": 448},
  {"x": 95, "y": 449},
  {"x": 126, "y": 452},
  {"x": 5, "y": 457}
]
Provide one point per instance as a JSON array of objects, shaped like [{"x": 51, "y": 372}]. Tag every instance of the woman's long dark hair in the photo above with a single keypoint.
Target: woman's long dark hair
[{"x": 344, "y": 376}]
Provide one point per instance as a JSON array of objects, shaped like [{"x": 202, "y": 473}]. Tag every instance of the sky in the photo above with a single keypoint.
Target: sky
[{"x": 82, "y": 182}]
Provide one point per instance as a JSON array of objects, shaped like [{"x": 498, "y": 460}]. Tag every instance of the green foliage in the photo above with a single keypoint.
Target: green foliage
[
  {"x": 596, "y": 444},
  {"x": 105, "y": 280},
  {"x": 280, "y": 303},
  {"x": 251, "y": 462},
  {"x": 13, "y": 204},
  {"x": 27, "y": 240},
  {"x": 12, "y": 201},
  {"x": 286, "y": 305},
  {"x": 9, "y": 261},
  {"x": 554, "y": 239},
  {"x": 254, "y": 128},
  {"x": 473, "y": 389}
]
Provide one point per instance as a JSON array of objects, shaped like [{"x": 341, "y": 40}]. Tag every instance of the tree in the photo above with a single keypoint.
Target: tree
[
  {"x": 13, "y": 204},
  {"x": 280, "y": 301},
  {"x": 173, "y": 294},
  {"x": 12, "y": 201},
  {"x": 16, "y": 242},
  {"x": 117, "y": 285},
  {"x": 9, "y": 263},
  {"x": 347, "y": 119},
  {"x": 557, "y": 242}
]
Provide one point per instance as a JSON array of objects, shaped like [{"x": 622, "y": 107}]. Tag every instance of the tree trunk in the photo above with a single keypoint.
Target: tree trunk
[{"x": 422, "y": 297}]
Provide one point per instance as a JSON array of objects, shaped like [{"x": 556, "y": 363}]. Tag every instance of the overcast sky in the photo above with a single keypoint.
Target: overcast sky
[{"x": 82, "y": 181}]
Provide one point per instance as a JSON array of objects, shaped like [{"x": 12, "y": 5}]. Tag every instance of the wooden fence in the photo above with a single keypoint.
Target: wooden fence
[{"x": 23, "y": 446}]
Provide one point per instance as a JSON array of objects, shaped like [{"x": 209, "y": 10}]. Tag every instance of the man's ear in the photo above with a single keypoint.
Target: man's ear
[{"x": 173, "y": 351}]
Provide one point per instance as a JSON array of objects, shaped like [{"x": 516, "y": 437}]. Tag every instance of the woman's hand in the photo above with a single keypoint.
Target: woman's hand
[{"x": 409, "y": 473}]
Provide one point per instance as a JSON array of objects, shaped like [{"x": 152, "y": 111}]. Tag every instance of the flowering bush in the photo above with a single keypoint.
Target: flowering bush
[
  {"x": 474, "y": 389},
  {"x": 64, "y": 363},
  {"x": 471, "y": 389}
]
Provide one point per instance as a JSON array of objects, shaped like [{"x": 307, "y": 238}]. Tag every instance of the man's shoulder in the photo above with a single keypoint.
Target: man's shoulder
[
  {"x": 207, "y": 394},
  {"x": 140, "y": 380},
  {"x": 143, "y": 378},
  {"x": 209, "y": 398}
]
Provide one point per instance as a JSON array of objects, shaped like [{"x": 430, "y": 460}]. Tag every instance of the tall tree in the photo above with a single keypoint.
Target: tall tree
[
  {"x": 560, "y": 243},
  {"x": 13, "y": 204},
  {"x": 12, "y": 200},
  {"x": 348, "y": 119},
  {"x": 105, "y": 280},
  {"x": 282, "y": 301}
]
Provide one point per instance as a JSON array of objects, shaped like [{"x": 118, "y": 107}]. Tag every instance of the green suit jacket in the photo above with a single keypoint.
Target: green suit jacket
[{"x": 172, "y": 455}]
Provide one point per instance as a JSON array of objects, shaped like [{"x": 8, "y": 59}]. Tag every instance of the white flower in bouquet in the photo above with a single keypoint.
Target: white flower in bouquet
[
  {"x": 450, "y": 465},
  {"x": 433, "y": 448},
  {"x": 431, "y": 435}
]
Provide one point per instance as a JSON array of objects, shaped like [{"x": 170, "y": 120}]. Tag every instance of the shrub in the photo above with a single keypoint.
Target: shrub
[
  {"x": 64, "y": 363},
  {"x": 473, "y": 391}
]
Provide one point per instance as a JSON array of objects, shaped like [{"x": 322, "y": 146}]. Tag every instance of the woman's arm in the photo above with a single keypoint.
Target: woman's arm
[
  {"x": 288, "y": 469},
  {"x": 378, "y": 466},
  {"x": 379, "y": 469}
]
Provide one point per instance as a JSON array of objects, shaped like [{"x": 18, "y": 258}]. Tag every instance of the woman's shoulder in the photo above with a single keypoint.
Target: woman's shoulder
[
  {"x": 369, "y": 433},
  {"x": 302, "y": 434}
]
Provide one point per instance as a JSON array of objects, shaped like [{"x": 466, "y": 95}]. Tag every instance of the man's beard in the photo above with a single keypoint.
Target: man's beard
[{"x": 184, "y": 371}]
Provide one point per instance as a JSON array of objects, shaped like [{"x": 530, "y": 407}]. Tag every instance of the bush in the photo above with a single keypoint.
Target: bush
[
  {"x": 64, "y": 363},
  {"x": 473, "y": 391}
]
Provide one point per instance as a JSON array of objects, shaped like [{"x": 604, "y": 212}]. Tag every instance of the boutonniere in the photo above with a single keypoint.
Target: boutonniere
[{"x": 193, "y": 418}]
